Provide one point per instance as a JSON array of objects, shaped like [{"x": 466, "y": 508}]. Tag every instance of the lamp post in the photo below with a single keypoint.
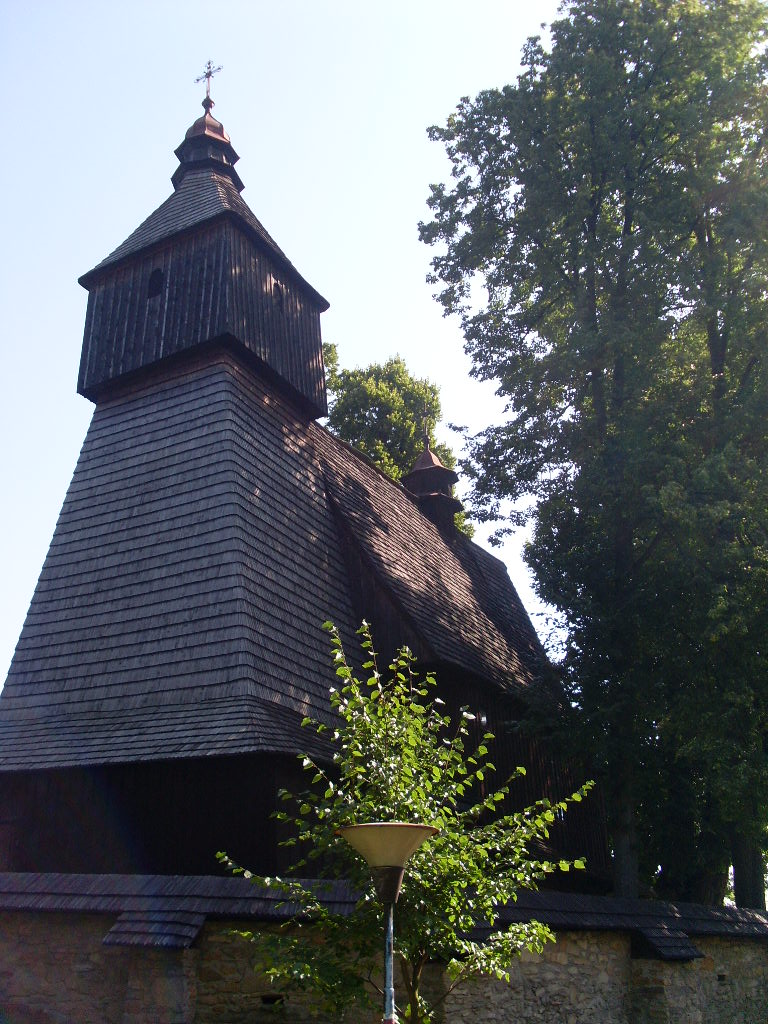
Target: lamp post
[{"x": 386, "y": 846}]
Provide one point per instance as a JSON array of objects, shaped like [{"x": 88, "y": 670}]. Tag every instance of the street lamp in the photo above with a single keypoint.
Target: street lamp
[{"x": 386, "y": 846}]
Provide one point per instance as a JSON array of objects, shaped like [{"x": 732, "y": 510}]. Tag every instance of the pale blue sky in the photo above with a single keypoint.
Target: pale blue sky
[{"x": 326, "y": 102}]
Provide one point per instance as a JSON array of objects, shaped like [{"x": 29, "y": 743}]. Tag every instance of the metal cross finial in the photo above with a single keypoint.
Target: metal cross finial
[
  {"x": 426, "y": 428},
  {"x": 208, "y": 74}
]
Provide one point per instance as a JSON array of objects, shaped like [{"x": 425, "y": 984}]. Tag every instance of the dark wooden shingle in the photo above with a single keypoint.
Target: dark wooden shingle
[
  {"x": 169, "y": 910},
  {"x": 197, "y": 554}
]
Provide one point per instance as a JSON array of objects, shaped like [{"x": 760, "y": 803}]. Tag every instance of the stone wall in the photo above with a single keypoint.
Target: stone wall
[
  {"x": 730, "y": 984},
  {"x": 583, "y": 978},
  {"x": 55, "y": 970},
  {"x": 589, "y": 977}
]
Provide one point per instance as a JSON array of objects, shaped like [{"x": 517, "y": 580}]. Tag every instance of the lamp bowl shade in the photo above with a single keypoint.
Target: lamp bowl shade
[{"x": 387, "y": 843}]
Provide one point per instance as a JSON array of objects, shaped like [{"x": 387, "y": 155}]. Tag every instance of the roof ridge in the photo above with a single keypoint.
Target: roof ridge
[{"x": 366, "y": 459}]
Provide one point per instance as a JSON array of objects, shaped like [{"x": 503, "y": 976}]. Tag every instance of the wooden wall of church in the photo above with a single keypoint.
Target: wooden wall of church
[
  {"x": 213, "y": 284},
  {"x": 163, "y": 817}
]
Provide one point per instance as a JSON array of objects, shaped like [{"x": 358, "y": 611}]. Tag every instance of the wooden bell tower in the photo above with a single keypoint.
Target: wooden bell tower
[{"x": 202, "y": 269}]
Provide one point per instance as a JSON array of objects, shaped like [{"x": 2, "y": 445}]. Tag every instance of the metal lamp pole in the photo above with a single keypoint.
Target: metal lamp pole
[
  {"x": 386, "y": 846},
  {"x": 389, "y": 982}
]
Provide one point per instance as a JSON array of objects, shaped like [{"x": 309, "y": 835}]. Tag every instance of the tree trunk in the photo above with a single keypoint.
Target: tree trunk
[
  {"x": 625, "y": 860},
  {"x": 748, "y": 872}
]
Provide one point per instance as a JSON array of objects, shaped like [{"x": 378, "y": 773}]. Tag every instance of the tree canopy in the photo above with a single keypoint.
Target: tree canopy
[
  {"x": 613, "y": 203},
  {"x": 398, "y": 757},
  {"x": 382, "y": 410}
]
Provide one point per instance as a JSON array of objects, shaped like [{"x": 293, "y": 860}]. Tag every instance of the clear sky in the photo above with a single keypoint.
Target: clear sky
[{"x": 327, "y": 103}]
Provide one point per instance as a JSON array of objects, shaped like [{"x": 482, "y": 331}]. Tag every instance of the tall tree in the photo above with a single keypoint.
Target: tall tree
[{"x": 613, "y": 202}]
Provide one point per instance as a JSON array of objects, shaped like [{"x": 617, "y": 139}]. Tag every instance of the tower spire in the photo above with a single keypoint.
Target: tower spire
[
  {"x": 206, "y": 143},
  {"x": 425, "y": 428}
]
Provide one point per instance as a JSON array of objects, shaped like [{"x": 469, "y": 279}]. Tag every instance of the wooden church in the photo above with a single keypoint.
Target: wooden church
[{"x": 174, "y": 642}]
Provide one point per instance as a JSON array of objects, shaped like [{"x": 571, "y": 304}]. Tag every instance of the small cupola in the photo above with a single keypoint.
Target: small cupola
[
  {"x": 206, "y": 144},
  {"x": 431, "y": 484}
]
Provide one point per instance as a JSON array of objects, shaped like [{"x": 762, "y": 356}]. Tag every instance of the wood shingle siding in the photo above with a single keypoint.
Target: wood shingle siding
[
  {"x": 177, "y": 569},
  {"x": 223, "y": 280},
  {"x": 197, "y": 556}
]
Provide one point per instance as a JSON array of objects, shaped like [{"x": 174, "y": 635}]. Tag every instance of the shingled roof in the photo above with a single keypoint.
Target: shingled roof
[
  {"x": 197, "y": 554},
  {"x": 169, "y": 911},
  {"x": 202, "y": 196},
  {"x": 457, "y": 596}
]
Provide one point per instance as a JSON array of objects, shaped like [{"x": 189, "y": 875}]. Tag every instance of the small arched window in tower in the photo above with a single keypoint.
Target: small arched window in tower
[
  {"x": 277, "y": 292},
  {"x": 155, "y": 285}
]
